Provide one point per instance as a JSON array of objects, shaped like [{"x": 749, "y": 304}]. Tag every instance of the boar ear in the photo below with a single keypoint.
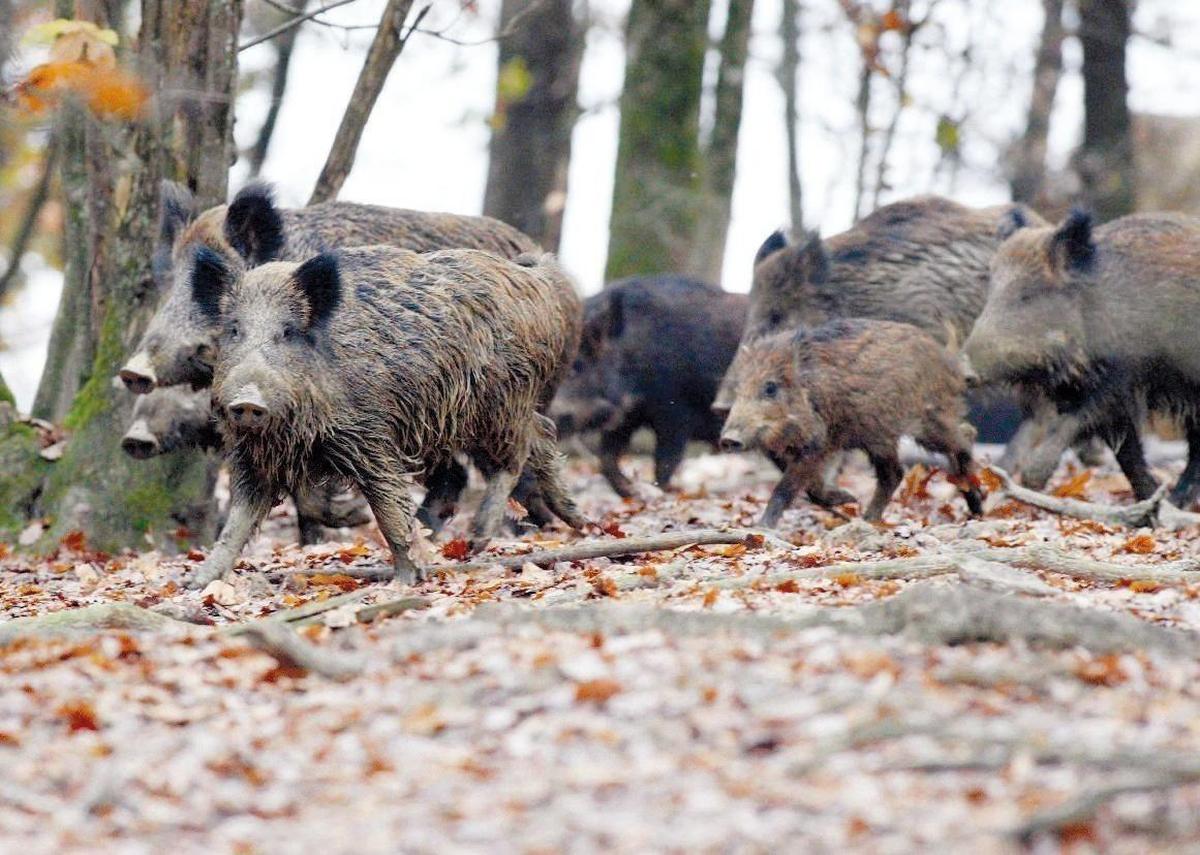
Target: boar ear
[
  {"x": 616, "y": 315},
  {"x": 253, "y": 225},
  {"x": 211, "y": 277},
  {"x": 1014, "y": 219},
  {"x": 777, "y": 241},
  {"x": 1072, "y": 247},
  {"x": 177, "y": 208},
  {"x": 813, "y": 259},
  {"x": 321, "y": 283}
]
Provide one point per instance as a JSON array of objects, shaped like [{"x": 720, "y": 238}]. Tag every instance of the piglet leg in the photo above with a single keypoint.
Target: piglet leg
[{"x": 796, "y": 476}]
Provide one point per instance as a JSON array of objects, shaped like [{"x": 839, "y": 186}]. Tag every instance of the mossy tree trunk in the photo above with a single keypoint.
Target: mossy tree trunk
[
  {"x": 720, "y": 155},
  {"x": 537, "y": 89},
  {"x": 186, "y": 54},
  {"x": 658, "y": 180}
]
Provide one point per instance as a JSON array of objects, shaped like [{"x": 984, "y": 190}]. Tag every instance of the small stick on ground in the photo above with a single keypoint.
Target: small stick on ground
[
  {"x": 290, "y": 650},
  {"x": 625, "y": 546},
  {"x": 1143, "y": 514},
  {"x": 1082, "y": 808}
]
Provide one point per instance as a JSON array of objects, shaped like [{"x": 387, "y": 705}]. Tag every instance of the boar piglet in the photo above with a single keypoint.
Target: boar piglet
[
  {"x": 653, "y": 351},
  {"x": 176, "y": 418},
  {"x": 371, "y": 364},
  {"x": 1102, "y": 320},
  {"x": 852, "y": 384}
]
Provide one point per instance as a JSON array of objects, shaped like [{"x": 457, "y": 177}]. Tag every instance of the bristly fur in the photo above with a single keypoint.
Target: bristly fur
[
  {"x": 177, "y": 209},
  {"x": 253, "y": 225},
  {"x": 210, "y": 277},
  {"x": 321, "y": 284},
  {"x": 775, "y": 242},
  {"x": 1074, "y": 240}
]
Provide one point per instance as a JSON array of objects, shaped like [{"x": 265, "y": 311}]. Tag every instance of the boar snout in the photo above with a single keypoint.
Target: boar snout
[
  {"x": 139, "y": 443},
  {"x": 968, "y": 371},
  {"x": 138, "y": 374},
  {"x": 248, "y": 409},
  {"x": 732, "y": 442}
]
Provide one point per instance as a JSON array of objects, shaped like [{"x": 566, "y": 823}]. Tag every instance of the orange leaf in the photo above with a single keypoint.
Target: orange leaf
[
  {"x": 358, "y": 550},
  {"x": 596, "y": 691},
  {"x": 847, "y": 580},
  {"x": 612, "y": 529},
  {"x": 75, "y": 541},
  {"x": 990, "y": 480},
  {"x": 456, "y": 550},
  {"x": 788, "y": 586},
  {"x": 1140, "y": 544},
  {"x": 79, "y": 715},
  {"x": 1144, "y": 586},
  {"x": 1102, "y": 671},
  {"x": 339, "y": 580},
  {"x": 710, "y": 598},
  {"x": 9, "y": 739},
  {"x": 1076, "y": 487},
  {"x": 893, "y": 20}
]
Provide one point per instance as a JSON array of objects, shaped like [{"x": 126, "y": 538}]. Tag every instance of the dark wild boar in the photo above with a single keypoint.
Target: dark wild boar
[
  {"x": 852, "y": 384},
  {"x": 653, "y": 351},
  {"x": 1102, "y": 320},
  {"x": 177, "y": 418},
  {"x": 368, "y": 365}
]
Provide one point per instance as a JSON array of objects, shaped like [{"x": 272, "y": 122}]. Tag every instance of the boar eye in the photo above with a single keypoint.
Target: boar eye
[
  {"x": 234, "y": 330},
  {"x": 770, "y": 389},
  {"x": 290, "y": 332},
  {"x": 775, "y": 319}
]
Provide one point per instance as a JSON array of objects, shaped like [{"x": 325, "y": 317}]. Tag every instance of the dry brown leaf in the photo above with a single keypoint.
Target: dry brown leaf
[
  {"x": 1140, "y": 544},
  {"x": 456, "y": 550},
  {"x": 1075, "y": 487},
  {"x": 79, "y": 715},
  {"x": 596, "y": 691}
]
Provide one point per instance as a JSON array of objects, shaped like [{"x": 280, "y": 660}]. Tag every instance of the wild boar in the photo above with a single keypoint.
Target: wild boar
[
  {"x": 370, "y": 364},
  {"x": 652, "y": 353},
  {"x": 850, "y": 384},
  {"x": 1100, "y": 319},
  {"x": 177, "y": 418}
]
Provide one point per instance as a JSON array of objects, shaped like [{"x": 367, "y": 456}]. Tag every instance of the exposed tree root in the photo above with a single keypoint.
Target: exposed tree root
[
  {"x": 292, "y": 651},
  {"x": 625, "y": 546},
  {"x": 1048, "y": 558},
  {"x": 98, "y": 617},
  {"x": 1081, "y": 808},
  {"x": 1154, "y": 512}
]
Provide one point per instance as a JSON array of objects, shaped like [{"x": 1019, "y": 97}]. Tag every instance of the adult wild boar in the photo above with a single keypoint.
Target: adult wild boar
[
  {"x": 653, "y": 350},
  {"x": 1101, "y": 319},
  {"x": 850, "y": 384},
  {"x": 370, "y": 364},
  {"x": 178, "y": 418}
]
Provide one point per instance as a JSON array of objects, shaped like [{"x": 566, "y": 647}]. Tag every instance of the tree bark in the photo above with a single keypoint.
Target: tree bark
[
  {"x": 386, "y": 47},
  {"x": 654, "y": 212},
  {"x": 28, "y": 228},
  {"x": 1105, "y": 161},
  {"x": 720, "y": 158},
  {"x": 1029, "y": 161},
  {"x": 186, "y": 55},
  {"x": 285, "y": 45},
  {"x": 789, "y": 68},
  {"x": 537, "y": 90}
]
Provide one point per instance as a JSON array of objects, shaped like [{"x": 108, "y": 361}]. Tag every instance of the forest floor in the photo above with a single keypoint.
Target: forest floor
[{"x": 933, "y": 682}]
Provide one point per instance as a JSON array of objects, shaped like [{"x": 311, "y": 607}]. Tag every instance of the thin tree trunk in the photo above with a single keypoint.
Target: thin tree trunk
[
  {"x": 654, "y": 212},
  {"x": 862, "y": 105},
  {"x": 536, "y": 106},
  {"x": 28, "y": 227},
  {"x": 186, "y": 55},
  {"x": 720, "y": 159},
  {"x": 1029, "y": 161},
  {"x": 285, "y": 45},
  {"x": 385, "y": 49},
  {"x": 789, "y": 68},
  {"x": 1105, "y": 161},
  {"x": 909, "y": 29}
]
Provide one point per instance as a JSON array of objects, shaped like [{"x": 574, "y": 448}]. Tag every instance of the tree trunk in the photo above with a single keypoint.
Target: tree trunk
[
  {"x": 1029, "y": 161},
  {"x": 385, "y": 49},
  {"x": 285, "y": 45},
  {"x": 1105, "y": 161},
  {"x": 720, "y": 158},
  {"x": 654, "y": 212},
  {"x": 185, "y": 55},
  {"x": 789, "y": 69},
  {"x": 537, "y": 88},
  {"x": 862, "y": 106}
]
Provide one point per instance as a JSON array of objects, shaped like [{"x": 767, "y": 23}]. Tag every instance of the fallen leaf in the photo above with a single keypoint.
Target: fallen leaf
[
  {"x": 613, "y": 530},
  {"x": 87, "y": 573},
  {"x": 710, "y": 598},
  {"x": 338, "y": 580},
  {"x": 53, "y": 452},
  {"x": 31, "y": 533},
  {"x": 221, "y": 593},
  {"x": 456, "y": 550},
  {"x": 79, "y": 715},
  {"x": 1144, "y": 586},
  {"x": 1140, "y": 544},
  {"x": 1076, "y": 487},
  {"x": 596, "y": 691}
]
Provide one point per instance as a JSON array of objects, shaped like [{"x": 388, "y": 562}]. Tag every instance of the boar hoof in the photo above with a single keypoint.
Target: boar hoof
[
  {"x": 407, "y": 570},
  {"x": 206, "y": 573}
]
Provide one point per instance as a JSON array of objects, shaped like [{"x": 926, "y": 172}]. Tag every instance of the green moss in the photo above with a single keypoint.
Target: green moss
[
  {"x": 148, "y": 504},
  {"x": 24, "y": 472},
  {"x": 6, "y": 395},
  {"x": 96, "y": 395}
]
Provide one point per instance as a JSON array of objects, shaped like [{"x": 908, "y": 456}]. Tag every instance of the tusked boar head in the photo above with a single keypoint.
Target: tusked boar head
[{"x": 1032, "y": 327}]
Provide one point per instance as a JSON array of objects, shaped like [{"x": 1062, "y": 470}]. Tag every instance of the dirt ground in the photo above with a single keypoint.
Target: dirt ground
[{"x": 741, "y": 697}]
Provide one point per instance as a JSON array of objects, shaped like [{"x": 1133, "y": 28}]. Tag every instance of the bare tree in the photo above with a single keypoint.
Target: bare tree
[
  {"x": 654, "y": 211},
  {"x": 1105, "y": 161},
  {"x": 789, "y": 69},
  {"x": 536, "y": 106},
  {"x": 1029, "y": 157},
  {"x": 285, "y": 46},
  {"x": 185, "y": 54},
  {"x": 720, "y": 156},
  {"x": 385, "y": 49}
]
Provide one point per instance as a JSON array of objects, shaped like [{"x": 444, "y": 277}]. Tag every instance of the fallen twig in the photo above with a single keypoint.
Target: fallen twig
[
  {"x": 290, "y": 650},
  {"x": 387, "y": 608}
]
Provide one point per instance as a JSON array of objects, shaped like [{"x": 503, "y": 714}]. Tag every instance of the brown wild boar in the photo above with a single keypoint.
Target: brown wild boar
[
  {"x": 851, "y": 384},
  {"x": 371, "y": 364},
  {"x": 1102, "y": 320}
]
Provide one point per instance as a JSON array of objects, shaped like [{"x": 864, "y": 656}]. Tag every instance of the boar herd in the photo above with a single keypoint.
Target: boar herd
[{"x": 341, "y": 354}]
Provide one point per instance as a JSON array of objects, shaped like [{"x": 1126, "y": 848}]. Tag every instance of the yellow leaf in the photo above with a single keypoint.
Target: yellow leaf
[
  {"x": 514, "y": 81},
  {"x": 47, "y": 33}
]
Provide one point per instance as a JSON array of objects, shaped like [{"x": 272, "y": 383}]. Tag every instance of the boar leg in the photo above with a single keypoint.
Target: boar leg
[
  {"x": 389, "y": 496},
  {"x": 490, "y": 515},
  {"x": 612, "y": 445},
  {"x": 1122, "y": 436},
  {"x": 1188, "y": 486},
  {"x": 670, "y": 444},
  {"x": 527, "y": 496},
  {"x": 546, "y": 464},
  {"x": 246, "y": 510},
  {"x": 444, "y": 484},
  {"x": 888, "y": 475},
  {"x": 797, "y": 475}
]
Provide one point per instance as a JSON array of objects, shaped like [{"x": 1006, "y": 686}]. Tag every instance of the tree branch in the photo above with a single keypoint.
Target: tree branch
[
  {"x": 290, "y": 24},
  {"x": 28, "y": 227}
]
